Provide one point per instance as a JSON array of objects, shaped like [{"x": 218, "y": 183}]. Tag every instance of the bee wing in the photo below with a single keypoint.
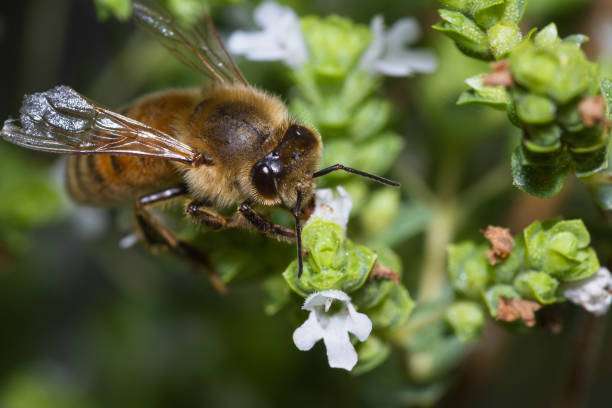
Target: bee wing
[
  {"x": 199, "y": 48},
  {"x": 62, "y": 121}
]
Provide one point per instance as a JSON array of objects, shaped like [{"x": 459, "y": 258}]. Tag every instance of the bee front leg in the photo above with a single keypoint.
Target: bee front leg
[
  {"x": 156, "y": 235},
  {"x": 245, "y": 217},
  {"x": 264, "y": 226}
]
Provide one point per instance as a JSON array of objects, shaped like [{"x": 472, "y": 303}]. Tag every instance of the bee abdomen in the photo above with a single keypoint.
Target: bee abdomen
[{"x": 106, "y": 180}]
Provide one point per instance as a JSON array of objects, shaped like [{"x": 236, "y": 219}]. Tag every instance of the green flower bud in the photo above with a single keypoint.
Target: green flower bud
[
  {"x": 468, "y": 268},
  {"x": 335, "y": 44},
  {"x": 538, "y": 286},
  {"x": 492, "y": 295},
  {"x": 549, "y": 66},
  {"x": 561, "y": 249},
  {"x": 466, "y": 319},
  {"x": 332, "y": 261},
  {"x": 372, "y": 353}
]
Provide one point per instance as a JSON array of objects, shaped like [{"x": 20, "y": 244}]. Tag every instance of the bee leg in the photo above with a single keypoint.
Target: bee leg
[
  {"x": 156, "y": 235},
  {"x": 245, "y": 217},
  {"x": 264, "y": 226}
]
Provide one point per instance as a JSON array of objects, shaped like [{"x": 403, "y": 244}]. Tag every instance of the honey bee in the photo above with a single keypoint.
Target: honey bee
[{"x": 227, "y": 144}]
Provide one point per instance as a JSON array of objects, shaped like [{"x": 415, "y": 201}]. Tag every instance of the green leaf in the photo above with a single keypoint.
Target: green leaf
[
  {"x": 514, "y": 10},
  {"x": 371, "y": 353},
  {"x": 548, "y": 36},
  {"x": 538, "y": 286},
  {"x": 394, "y": 310},
  {"x": 479, "y": 94},
  {"x": 542, "y": 179},
  {"x": 468, "y": 37},
  {"x": 577, "y": 39},
  {"x": 535, "y": 110},
  {"x": 544, "y": 141},
  {"x": 468, "y": 268},
  {"x": 606, "y": 91},
  {"x": 588, "y": 162},
  {"x": 466, "y": 319},
  {"x": 503, "y": 37},
  {"x": 488, "y": 12}
]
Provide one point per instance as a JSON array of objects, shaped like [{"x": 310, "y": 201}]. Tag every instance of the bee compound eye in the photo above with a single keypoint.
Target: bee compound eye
[{"x": 264, "y": 179}]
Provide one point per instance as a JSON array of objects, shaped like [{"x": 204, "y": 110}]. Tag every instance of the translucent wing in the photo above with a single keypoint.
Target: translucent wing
[
  {"x": 199, "y": 48},
  {"x": 62, "y": 121}
]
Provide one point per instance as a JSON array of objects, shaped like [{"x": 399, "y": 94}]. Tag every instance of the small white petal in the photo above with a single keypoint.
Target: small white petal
[
  {"x": 358, "y": 323},
  {"x": 280, "y": 39},
  {"x": 270, "y": 13},
  {"x": 389, "y": 54},
  {"x": 405, "y": 31},
  {"x": 308, "y": 333},
  {"x": 332, "y": 327},
  {"x": 334, "y": 207},
  {"x": 593, "y": 294},
  {"x": 319, "y": 299},
  {"x": 340, "y": 351}
]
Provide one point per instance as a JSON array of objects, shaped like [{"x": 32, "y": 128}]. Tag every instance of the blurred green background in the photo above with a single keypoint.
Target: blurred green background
[{"x": 86, "y": 324}]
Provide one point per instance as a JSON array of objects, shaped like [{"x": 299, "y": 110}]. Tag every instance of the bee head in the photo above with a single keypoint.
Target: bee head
[
  {"x": 287, "y": 174},
  {"x": 288, "y": 169}
]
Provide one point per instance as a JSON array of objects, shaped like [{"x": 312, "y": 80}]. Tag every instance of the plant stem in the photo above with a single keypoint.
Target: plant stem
[
  {"x": 438, "y": 236},
  {"x": 441, "y": 229}
]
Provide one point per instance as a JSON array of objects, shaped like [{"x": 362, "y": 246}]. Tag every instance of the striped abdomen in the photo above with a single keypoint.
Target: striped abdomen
[{"x": 106, "y": 180}]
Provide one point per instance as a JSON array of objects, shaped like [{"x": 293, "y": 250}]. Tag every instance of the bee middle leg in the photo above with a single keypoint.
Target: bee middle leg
[
  {"x": 156, "y": 235},
  {"x": 245, "y": 217}
]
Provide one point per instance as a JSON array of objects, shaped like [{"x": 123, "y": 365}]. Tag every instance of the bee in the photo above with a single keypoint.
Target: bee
[{"x": 227, "y": 144}]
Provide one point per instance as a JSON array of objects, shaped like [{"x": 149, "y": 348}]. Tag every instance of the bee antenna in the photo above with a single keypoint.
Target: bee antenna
[
  {"x": 339, "y": 166},
  {"x": 298, "y": 232}
]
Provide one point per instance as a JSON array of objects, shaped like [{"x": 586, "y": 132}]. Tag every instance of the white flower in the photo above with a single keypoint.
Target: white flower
[
  {"x": 281, "y": 37},
  {"x": 332, "y": 207},
  {"x": 593, "y": 294},
  {"x": 332, "y": 325},
  {"x": 388, "y": 54}
]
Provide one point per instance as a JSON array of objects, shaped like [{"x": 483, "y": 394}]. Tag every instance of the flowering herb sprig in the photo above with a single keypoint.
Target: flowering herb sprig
[
  {"x": 548, "y": 263},
  {"x": 547, "y": 86},
  {"x": 348, "y": 289}
]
